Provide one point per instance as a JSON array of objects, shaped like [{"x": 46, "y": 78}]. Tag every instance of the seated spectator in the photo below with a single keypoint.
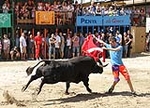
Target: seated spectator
[
  {"x": 15, "y": 54},
  {"x": 6, "y": 7}
]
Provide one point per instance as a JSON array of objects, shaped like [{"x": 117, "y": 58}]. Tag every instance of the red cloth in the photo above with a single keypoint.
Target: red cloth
[{"x": 90, "y": 49}]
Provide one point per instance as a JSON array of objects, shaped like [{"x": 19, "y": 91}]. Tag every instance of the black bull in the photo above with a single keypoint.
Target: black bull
[{"x": 73, "y": 70}]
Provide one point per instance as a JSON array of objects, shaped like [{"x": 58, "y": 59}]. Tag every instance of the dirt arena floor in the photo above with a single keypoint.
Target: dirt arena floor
[{"x": 13, "y": 77}]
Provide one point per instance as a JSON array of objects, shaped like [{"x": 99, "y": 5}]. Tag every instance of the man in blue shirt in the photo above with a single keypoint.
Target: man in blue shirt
[{"x": 115, "y": 51}]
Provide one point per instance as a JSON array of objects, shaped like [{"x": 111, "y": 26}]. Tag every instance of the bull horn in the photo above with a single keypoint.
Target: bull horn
[{"x": 102, "y": 65}]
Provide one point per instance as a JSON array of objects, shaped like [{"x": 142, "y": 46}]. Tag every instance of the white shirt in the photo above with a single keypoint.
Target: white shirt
[
  {"x": 58, "y": 40},
  {"x": 23, "y": 42}
]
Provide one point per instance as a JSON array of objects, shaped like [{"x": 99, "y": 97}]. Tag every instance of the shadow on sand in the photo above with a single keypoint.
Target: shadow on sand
[{"x": 85, "y": 97}]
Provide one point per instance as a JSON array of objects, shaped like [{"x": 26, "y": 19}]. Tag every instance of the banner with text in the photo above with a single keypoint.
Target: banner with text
[
  {"x": 45, "y": 17},
  {"x": 103, "y": 20},
  {"x": 116, "y": 20}
]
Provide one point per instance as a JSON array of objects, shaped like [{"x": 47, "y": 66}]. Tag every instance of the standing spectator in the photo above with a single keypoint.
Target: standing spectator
[
  {"x": 118, "y": 37},
  {"x": 57, "y": 46},
  {"x": 124, "y": 41},
  {"x": 24, "y": 13},
  {"x": 23, "y": 45},
  {"x": 70, "y": 10},
  {"x": 6, "y": 47},
  {"x": 75, "y": 45},
  {"x": 47, "y": 44},
  {"x": 40, "y": 6},
  {"x": 92, "y": 8},
  {"x": 47, "y": 7},
  {"x": 51, "y": 51},
  {"x": 62, "y": 45},
  {"x": 68, "y": 46},
  {"x": 31, "y": 47},
  {"x": 81, "y": 40},
  {"x": 17, "y": 9},
  {"x": 99, "y": 37},
  {"x": 129, "y": 43},
  {"x": 17, "y": 43},
  {"x": 148, "y": 42},
  {"x": 38, "y": 44},
  {"x": 30, "y": 6},
  {"x": 43, "y": 47}
]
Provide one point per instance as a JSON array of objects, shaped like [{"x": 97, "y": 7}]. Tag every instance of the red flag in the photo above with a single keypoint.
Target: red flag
[{"x": 90, "y": 49}]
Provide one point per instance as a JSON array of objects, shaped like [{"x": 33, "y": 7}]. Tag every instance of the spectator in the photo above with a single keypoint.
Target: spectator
[
  {"x": 125, "y": 40},
  {"x": 75, "y": 45},
  {"x": 51, "y": 51},
  {"x": 6, "y": 7},
  {"x": 31, "y": 47},
  {"x": 40, "y": 6},
  {"x": 92, "y": 9},
  {"x": 129, "y": 43},
  {"x": 47, "y": 7},
  {"x": 62, "y": 45},
  {"x": 23, "y": 46},
  {"x": 6, "y": 46},
  {"x": 38, "y": 45},
  {"x": 24, "y": 13},
  {"x": 29, "y": 7},
  {"x": 118, "y": 37},
  {"x": 68, "y": 46},
  {"x": 81, "y": 40},
  {"x": 15, "y": 54},
  {"x": 57, "y": 46},
  {"x": 148, "y": 42}
]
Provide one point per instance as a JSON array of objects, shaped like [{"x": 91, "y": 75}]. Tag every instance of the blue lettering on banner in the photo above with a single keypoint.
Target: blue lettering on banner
[
  {"x": 89, "y": 21},
  {"x": 116, "y": 20},
  {"x": 103, "y": 21}
]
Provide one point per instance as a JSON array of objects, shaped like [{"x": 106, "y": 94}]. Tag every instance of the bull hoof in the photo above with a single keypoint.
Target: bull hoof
[
  {"x": 23, "y": 88},
  {"x": 66, "y": 93},
  {"x": 89, "y": 90}
]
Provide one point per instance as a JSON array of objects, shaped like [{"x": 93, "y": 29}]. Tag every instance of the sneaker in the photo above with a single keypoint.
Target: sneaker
[
  {"x": 133, "y": 93},
  {"x": 110, "y": 90}
]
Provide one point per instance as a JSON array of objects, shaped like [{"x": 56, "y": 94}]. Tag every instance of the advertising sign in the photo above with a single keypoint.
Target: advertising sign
[
  {"x": 5, "y": 20},
  {"x": 45, "y": 17}
]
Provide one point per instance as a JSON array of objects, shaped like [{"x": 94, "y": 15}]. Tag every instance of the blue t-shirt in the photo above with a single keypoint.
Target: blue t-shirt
[{"x": 115, "y": 56}]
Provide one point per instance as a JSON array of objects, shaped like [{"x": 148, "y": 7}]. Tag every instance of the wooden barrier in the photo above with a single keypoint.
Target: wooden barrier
[{"x": 139, "y": 37}]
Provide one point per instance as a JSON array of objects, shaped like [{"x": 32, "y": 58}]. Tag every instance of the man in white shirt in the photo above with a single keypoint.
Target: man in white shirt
[
  {"x": 57, "y": 45},
  {"x": 23, "y": 46}
]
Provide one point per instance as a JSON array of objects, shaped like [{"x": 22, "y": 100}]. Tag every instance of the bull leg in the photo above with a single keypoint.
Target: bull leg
[
  {"x": 86, "y": 84},
  {"x": 40, "y": 87},
  {"x": 34, "y": 77},
  {"x": 67, "y": 87}
]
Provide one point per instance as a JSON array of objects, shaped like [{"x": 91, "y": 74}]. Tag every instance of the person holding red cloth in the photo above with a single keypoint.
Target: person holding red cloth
[{"x": 38, "y": 44}]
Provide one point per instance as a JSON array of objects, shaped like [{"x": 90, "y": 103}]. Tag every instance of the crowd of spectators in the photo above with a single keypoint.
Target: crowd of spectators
[
  {"x": 61, "y": 44},
  {"x": 57, "y": 45},
  {"x": 67, "y": 10}
]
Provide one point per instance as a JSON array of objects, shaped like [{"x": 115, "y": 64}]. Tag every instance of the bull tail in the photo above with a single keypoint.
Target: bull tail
[{"x": 29, "y": 70}]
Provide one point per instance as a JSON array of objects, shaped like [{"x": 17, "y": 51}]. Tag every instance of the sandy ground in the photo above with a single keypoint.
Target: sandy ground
[{"x": 13, "y": 77}]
